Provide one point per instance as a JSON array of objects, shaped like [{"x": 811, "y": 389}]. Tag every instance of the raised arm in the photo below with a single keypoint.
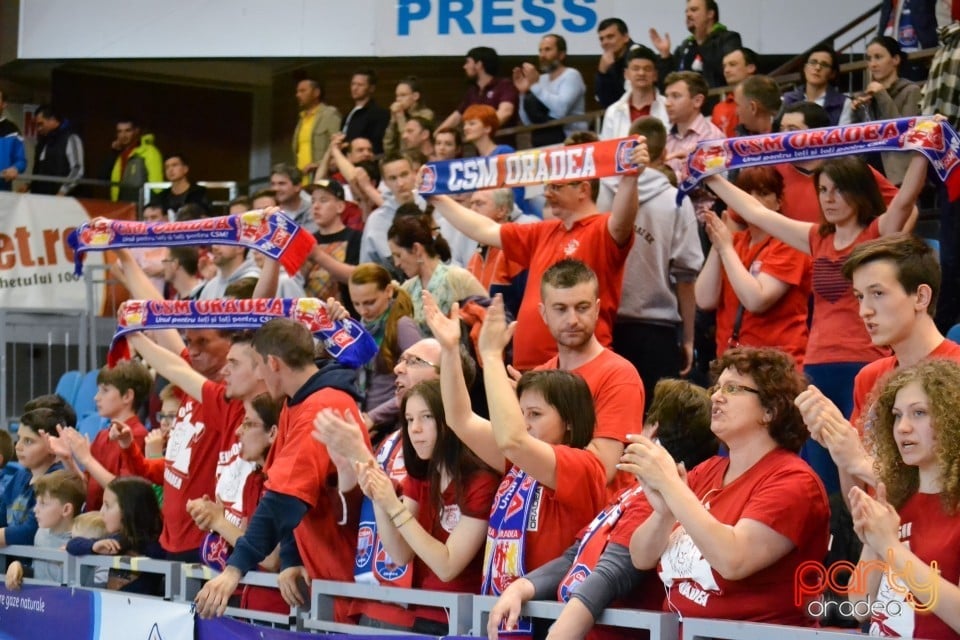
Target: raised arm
[
  {"x": 756, "y": 293},
  {"x": 532, "y": 455},
  {"x": 623, "y": 212},
  {"x": 452, "y": 121},
  {"x": 709, "y": 282},
  {"x": 266, "y": 286},
  {"x": 472, "y": 224},
  {"x": 169, "y": 365},
  {"x": 792, "y": 232},
  {"x": 131, "y": 275},
  {"x": 474, "y": 431},
  {"x": 901, "y": 208}
]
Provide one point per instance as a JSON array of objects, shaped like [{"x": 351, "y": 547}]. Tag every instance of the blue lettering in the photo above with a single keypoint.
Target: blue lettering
[
  {"x": 408, "y": 11},
  {"x": 455, "y": 10},
  {"x": 580, "y": 11},
  {"x": 545, "y": 15},
  {"x": 491, "y": 11}
]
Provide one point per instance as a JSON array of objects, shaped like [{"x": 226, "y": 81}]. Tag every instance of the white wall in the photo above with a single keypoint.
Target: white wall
[{"x": 99, "y": 29}]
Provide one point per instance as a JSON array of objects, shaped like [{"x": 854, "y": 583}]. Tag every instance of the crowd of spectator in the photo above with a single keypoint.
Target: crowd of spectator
[{"x": 559, "y": 456}]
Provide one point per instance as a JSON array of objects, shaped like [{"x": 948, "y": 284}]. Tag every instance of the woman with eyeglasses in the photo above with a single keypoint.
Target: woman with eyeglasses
[
  {"x": 421, "y": 252},
  {"x": 255, "y": 436},
  {"x": 887, "y": 96},
  {"x": 758, "y": 285},
  {"x": 728, "y": 536},
  {"x": 819, "y": 76}
]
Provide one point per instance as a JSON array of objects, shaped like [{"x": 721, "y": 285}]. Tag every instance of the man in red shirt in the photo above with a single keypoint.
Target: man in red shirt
[
  {"x": 738, "y": 65},
  {"x": 571, "y": 308},
  {"x": 481, "y": 68},
  {"x": 301, "y": 508},
  {"x": 602, "y": 241},
  {"x": 897, "y": 280}
]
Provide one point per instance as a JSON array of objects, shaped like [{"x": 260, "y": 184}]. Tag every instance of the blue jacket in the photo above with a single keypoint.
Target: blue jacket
[
  {"x": 16, "y": 507},
  {"x": 12, "y": 152}
]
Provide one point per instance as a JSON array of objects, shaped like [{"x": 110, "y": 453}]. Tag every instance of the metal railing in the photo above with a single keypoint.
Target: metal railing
[
  {"x": 468, "y": 613},
  {"x": 37, "y": 346}
]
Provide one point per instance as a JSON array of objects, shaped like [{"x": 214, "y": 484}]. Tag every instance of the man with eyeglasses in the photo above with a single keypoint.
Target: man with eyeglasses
[{"x": 578, "y": 230}]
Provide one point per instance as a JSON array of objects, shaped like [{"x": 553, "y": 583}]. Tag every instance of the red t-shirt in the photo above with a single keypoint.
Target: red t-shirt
[
  {"x": 864, "y": 385},
  {"x": 254, "y": 597},
  {"x": 931, "y": 535},
  {"x": 492, "y": 268},
  {"x": 557, "y": 515},
  {"x": 635, "y": 113},
  {"x": 223, "y": 417},
  {"x": 780, "y": 491},
  {"x": 299, "y": 466},
  {"x": 725, "y": 116},
  {"x": 800, "y": 200},
  {"x": 537, "y": 247},
  {"x": 837, "y": 333},
  {"x": 109, "y": 454},
  {"x": 477, "y": 496},
  {"x": 618, "y": 400},
  {"x": 784, "y": 324},
  {"x": 190, "y": 465}
]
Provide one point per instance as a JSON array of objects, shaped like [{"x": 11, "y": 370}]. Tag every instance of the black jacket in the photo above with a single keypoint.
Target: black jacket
[
  {"x": 609, "y": 85},
  {"x": 719, "y": 43},
  {"x": 370, "y": 122}
]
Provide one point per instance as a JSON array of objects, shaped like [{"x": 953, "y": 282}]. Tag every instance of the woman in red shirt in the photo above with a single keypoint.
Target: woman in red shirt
[
  {"x": 852, "y": 212},
  {"x": 912, "y": 528},
  {"x": 730, "y": 536},
  {"x": 758, "y": 285},
  {"x": 440, "y": 521}
]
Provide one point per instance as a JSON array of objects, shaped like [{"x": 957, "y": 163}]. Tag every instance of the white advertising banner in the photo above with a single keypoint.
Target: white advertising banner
[
  {"x": 103, "y": 29},
  {"x": 122, "y": 616},
  {"x": 36, "y": 263}
]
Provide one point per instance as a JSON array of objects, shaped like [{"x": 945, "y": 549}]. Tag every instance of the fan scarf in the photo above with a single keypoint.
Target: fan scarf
[
  {"x": 555, "y": 165},
  {"x": 272, "y": 234},
  {"x": 345, "y": 340},
  {"x": 936, "y": 140}
]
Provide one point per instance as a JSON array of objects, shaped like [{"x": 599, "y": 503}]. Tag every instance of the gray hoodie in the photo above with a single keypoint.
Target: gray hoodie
[{"x": 666, "y": 250}]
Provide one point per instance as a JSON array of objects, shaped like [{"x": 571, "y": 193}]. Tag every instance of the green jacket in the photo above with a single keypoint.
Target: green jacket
[{"x": 145, "y": 164}]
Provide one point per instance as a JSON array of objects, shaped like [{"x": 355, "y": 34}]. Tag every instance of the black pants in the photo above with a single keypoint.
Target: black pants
[{"x": 653, "y": 349}]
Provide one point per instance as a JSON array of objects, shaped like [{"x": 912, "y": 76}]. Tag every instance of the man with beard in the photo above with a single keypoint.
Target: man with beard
[
  {"x": 481, "y": 68},
  {"x": 550, "y": 91},
  {"x": 232, "y": 265},
  {"x": 703, "y": 50}
]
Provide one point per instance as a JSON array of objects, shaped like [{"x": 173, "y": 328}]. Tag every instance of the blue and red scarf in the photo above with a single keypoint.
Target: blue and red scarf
[
  {"x": 272, "y": 234},
  {"x": 573, "y": 163},
  {"x": 594, "y": 541},
  {"x": 345, "y": 340},
  {"x": 505, "y": 552},
  {"x": 373, "y": 565},
  {"x": 936, "y": 140}
]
